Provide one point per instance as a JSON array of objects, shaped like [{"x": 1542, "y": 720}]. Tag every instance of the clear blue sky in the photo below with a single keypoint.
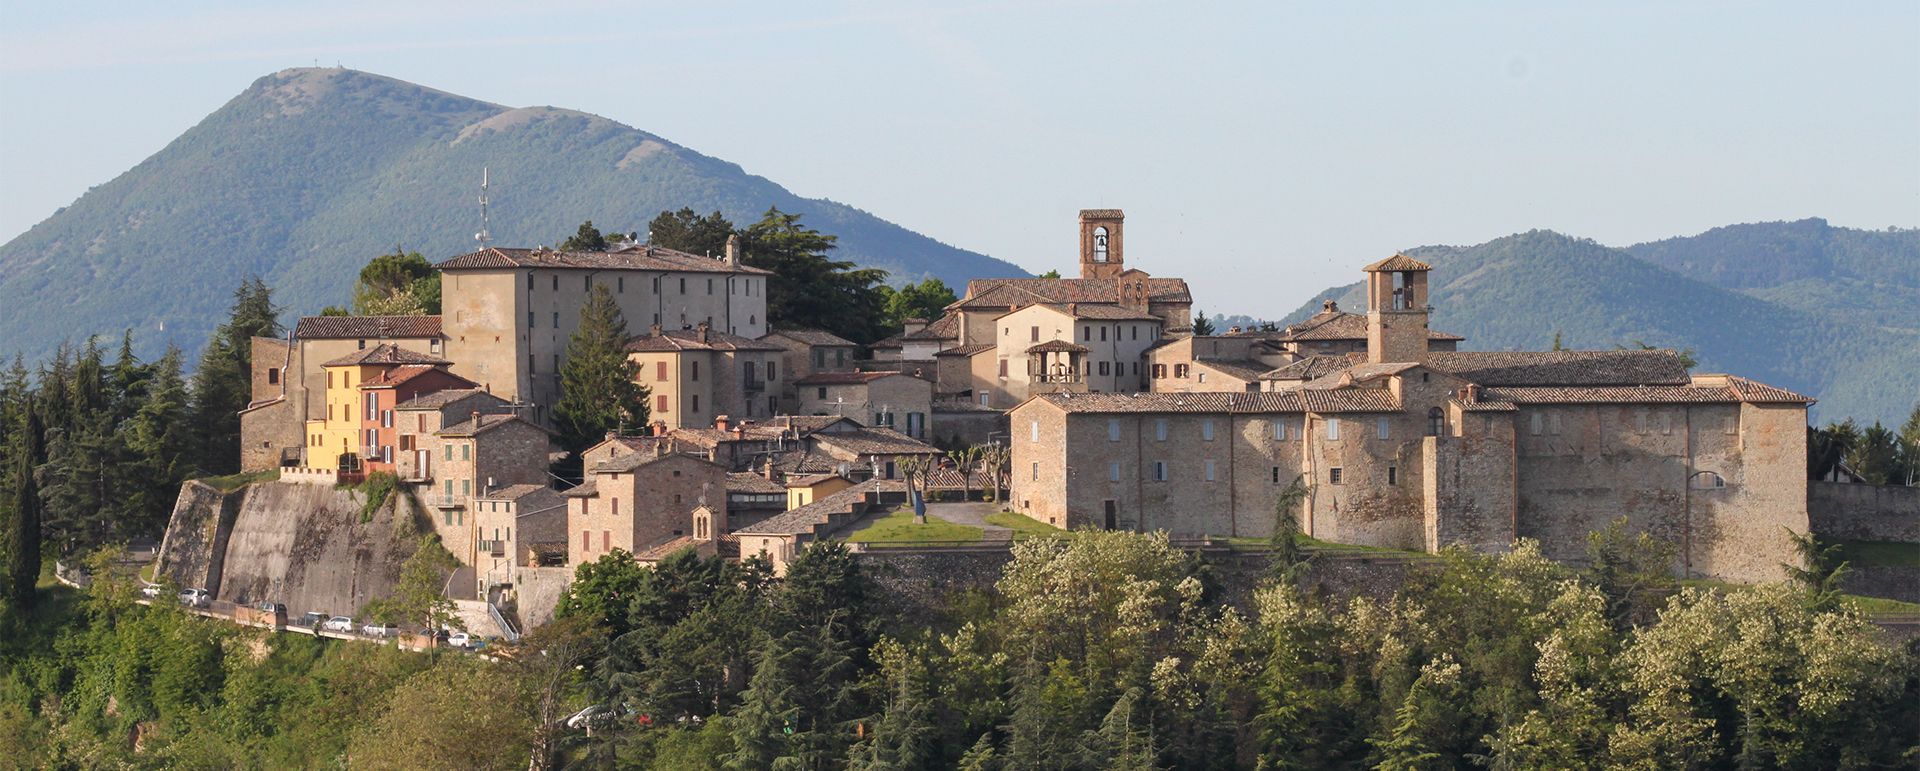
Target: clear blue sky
[{"x": 1261, "y": 150}]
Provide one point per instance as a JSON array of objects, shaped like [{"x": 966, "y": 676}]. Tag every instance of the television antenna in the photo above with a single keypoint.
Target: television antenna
[{"x": 483, "y": 236}]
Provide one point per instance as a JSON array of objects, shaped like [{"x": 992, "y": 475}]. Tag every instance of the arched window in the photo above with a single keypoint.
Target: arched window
[
  {"x": 1100, "y": 244},
  {"x": 1436, "y": 421},
  {"x": 1707, "y": 480}
]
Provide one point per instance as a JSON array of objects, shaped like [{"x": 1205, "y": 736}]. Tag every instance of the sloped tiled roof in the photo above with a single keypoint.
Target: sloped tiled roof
[
  {"x": 1308, "y": 368},
  {"x": 845, "y": 378},
  {"x": 751, "y": 483},
  {"x": 1066, "y": 290},
  {"x": 484, "y": 424},
  {"x": 812, "y": 515},
  {"x": 947, "y": 327},
  {"x": 384, "y": 354},
  {"x": 726, "y": 547},
  {"x": 1563, "y": 368},
  {"x": 1345, "y": 400},
  {"x": 1057, "y": 346},
  {"x": 403, "y": 373},
  {"x": 366, "y": 327},
  {"x": 1244, "y": 369},
  {"x": 1761, "y": 393},
  {"x": 648, "y": 258},
  {"x": 674, "y": 340},
  {"x": 809, "y": 480},
  {"x": 1336, "y": 324},
  {"x": 967, "y": 350},
  {"x": 1397, "y": 262},
  {"x": 817, "y": 337},
  {"x": 512, "y": 493},
  {"x": 1747, "y": 391},
  {"x": 1104, "y": 312},
  {"x": 875, "y": 441},
  {"x": 439, "y": 399},
  {"x": 634, "y": 460}
]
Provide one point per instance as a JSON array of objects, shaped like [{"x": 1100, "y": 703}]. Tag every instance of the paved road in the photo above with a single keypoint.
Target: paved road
[{"x": 973, "y": 513}]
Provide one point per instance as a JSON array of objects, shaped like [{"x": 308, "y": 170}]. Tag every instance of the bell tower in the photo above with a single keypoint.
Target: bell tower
[
  {"x": 1101, "y": 254},
  {"x": 1397, "y": 310}
]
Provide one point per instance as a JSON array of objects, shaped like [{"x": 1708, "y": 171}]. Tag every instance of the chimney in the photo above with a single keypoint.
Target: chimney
[
  {"x": 476, "y": 419},
  {"x": 1073, "y": 309},
  {"x": 659, "y": 428},
  {"x": 767, "y": 469},
  {"x": 910, "y": 326},
  {"x": 702, "y": 331},
  {"x": 733, "y": 250},
  {"x": 720, "y": 422},
  {"x": 654, "y": 330},
  {"x": 740, "y": 432},
  {"x": 1329, "y": 306},
  {"x": 611, "y": 435},
  {"x": 1233, "y": 330}
]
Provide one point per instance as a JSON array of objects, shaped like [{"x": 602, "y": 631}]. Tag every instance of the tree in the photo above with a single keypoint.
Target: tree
[
  {"x": 1632, "y": 572},
  {"x": 1289, "y": 559},
  {"x": 808, "y": 290},
  {"x": 1049, "y": 274},
  {"x": 1910, "y": 446},
  {"x": 158, "y": 443},
  {"x": 1875, "y": 455},
  {"x": 1820, "y": 573},
  {"x": 965, "y": 460},
  {"x": 926, "y": 301},
  {"x": 546, "y": 665},
  {"x": 222, "y": 383},
  {"x": 462, "y": 714},
  {"x": 22, "y": 531},
  {"x": 600, "y": 389},
  {"x": 692, "y": 233},
  {"x": 602, "y": 592},
  {"x": 1202, "y": 324},
  {"x": 418, "y": 597},
  {"x": 1557, "y": 345},
  {"x": 399, "y": 284},
  {"x": 586, "y": 239}
]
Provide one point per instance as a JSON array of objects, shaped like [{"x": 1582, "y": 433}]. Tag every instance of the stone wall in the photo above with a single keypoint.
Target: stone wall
[
  {"x": 1864, "y": 512},
  {"x": 1892, "y": 582},
  {"x": 966, "y": 424},
  {"x": 193, "y": 550}
]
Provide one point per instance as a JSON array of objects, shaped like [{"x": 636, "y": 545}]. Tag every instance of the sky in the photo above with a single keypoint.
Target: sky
[{"x": 1263, "y": 151}]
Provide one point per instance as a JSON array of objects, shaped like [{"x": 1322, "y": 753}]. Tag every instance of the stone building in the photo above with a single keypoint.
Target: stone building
[
  {"x": 882, "y": 399},
  {"x": 809, "y": 351},
  {"x": 516, "y": 527},
  {"x": 638, "y": 500},
  {"x": 290, "y": 381},
  {"x": 480, "y": 454},
  {"x": 419, "y": 420},
  {"x": 1211, "y": 363},
  {"x": 697, "y": 375},
  {"x": 508, "y": 313},
  {"x": 346, "y": 433},
  {"x": 1420, "y": 449}
]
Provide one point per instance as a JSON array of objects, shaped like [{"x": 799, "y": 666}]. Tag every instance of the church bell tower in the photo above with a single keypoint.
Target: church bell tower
[
  {"x": 1397, "y": 310},
  {"x": 1101, "y": 244}
]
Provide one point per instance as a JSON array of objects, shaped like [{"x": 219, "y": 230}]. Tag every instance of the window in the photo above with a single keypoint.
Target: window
[
  {"x": 556, "y": 319},
  {"x": 1276, "y": 475},
  {"x": 1003, "y": 367},
  {"x": 435, "y": 346},
  {"x": 1730, "y": 425},
  {"x": 660, "y": 371},
  {"x": 660, "y": 403},
  {"x": 1113, "y": 472},
  {"x": 1666, "y": 423},
  {"x": 449, "y": 449},
  {"x": 1333, "y": 429},
  {"x": 1103, "y": 334},
  {"x": 273, "y": 375},
  {"x": 1179, "y": 370},
  {"x": 693, "y": 371},
  {"x": 1035, "y": 331},
  {"x": 1382, "y": 430},
  {"x": 1136, "y": 330},
  {"x": 823, "y": 392},
  {"x": 1113, "y": 430},
  {"x": 530, "y": 365},
  {"x": 1086, "y": 333},
  {"x": 586, "y": 282},
  {"x": 1640, "y": 422},
  {"x": 1553, "y": 424},
  {"x": 1100, "y": 244},
  {"x": 1036, "y": 471},
  {"x": 586, "y": 540},
  {"x": 683, "y": 286},
  {"x": 1333, "y": 475},
  {"x": 1136, "y": 367},
  {"x": 616, "y": 506},
  {"x": 1393, "y": 475},
  {"x": 1160, "y": 429},
  {"x": 693, "y": 405},
  {"x": 466, "y": 487},
  {"x": 1159, "y": 371},
  {"x": 606, "y": 540},
  {"x": 1436, "y": 421},
  {"x": 620, "y": 284},
  {"x": 466, "y": 451},
  {"x": 556, "y": 282},
  {"x": 1206, "y": 430},
  {"x": 1534, "y": 424},
  {"x": 1034, "y": 429},
  {"x": 1202, "y": 377},
  {"x": 819, "y": 357},
  {"x": 1103, "y": 368},
  {"x": 1210, "y": 470},
  {"x": 529, "y": 280},
  {"x": 1159, "y": 471},
  {"x": 771, "y": 372},
  {"x": 840, "y": 357},
  {"x": 709, "y": 286}
]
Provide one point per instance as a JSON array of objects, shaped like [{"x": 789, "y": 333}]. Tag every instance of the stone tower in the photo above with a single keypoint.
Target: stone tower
[
  {"x": 1397, "y": 310},
  {"x": 1101, "y": 254}
]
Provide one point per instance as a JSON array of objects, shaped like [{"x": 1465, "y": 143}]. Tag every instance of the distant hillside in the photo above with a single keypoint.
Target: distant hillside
[
  {"x": 1515, "y": 293},
  {"x": 310, "y": 172}
]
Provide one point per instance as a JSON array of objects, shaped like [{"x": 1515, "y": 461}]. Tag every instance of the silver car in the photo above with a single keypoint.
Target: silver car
[
  {"x": 195, "y": 598},
  {"x": 338, "y": 624}
]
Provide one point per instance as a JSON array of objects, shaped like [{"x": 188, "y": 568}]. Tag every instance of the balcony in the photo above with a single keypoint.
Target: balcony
[
  {"x": 445, "y": 501},
  {"x": 753, "y": 385}
]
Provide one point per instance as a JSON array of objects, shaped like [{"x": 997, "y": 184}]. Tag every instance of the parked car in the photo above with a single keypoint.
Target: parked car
[
  {"x": 434, "y": 634},
  {"x": 272, "y": 608},
  {"x": 151, "y": 591},
  {"x": 312, "y": 619},
  {"x": 377, "y": 629},
  {"x": 338, "y": 624},
  {"x": 460, "y": 640},
  {"x": 195, "y": 598}
]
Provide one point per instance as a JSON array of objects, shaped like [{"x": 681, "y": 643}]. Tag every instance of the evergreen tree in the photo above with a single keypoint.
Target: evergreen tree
[
  {"x": 158, "y": 442},
  {"x": 600, "y": 389},
  {"x": 586, "y": 239},
  {"x": 22, "y": 512},
  {"x": 1910, "y": 447},
  {"x": 691, "y": 233},
  {"x": 399, "y": 284},
  {"x": 807, "y": 289},
  {"x": 222, "y": 383},
  {"x": 126, "y": 381},
  {"x": 926, "y": 300},
  {"x": 904, "y": 736},
  {"x": 1202, "y": 324}
]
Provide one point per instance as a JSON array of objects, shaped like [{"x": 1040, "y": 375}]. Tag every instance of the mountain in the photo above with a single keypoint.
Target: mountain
[
  {"x": 1517, "y": 292},
  {"x": 310, "y": 172}
]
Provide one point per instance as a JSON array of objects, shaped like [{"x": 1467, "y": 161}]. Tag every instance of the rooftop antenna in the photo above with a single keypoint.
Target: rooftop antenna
[{"x": 484, "y": 235}]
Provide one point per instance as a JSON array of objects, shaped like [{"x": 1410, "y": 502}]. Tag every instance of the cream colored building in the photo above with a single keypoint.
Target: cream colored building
[
  {"x": 508, "y": 313},
  {"x": 290, "y": 381},
  {"x": 1049, "y": 348},
  {"x": 694, "y": 376},
  {"x": 882, "y": 399}
]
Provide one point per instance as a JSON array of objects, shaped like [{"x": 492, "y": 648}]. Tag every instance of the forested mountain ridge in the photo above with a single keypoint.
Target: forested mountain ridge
[
  {"x": 310, "y": 172},
  {"x": 1805, "y": 264},
  {"x": 1520, "y": 291}
]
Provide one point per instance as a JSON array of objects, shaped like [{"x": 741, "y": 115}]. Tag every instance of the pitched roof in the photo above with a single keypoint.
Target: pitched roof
[
  {"x": 361, "y": 327},
  {"x": 1563, "y": 368},
  {"x": 875, "y": 441},
  {"x": 816, "y": 337},
  {"x": 726, "y": 547},
  {"x": 1064, "y": 290},
  {"x": 751, "y": 483},
  {"x": 1057, "y": 346},
  {"x": 406, "y": 372},
  {"x": 947, "y": 327},
  {"x": 1102, "y": 312},
  {"x": 385, "y": 354},
  {"x": 674, "y": 340},
  {"x": 512, "y": 493},
  {"x": 1244, "y": 369},
  {"x": 809, "y": 480},
  {"x": 1331, "y": 323},
  {"x": 1704, "y": 389},
  {"x": 484, "y": 424},
  {"x": 845, "y": 378},
  {"x": 812, "y": 515},
  {"x": 1308, "y": 368},
  {"x": 1397, "y": 262},
  {"x": 1343, "y": 400},
  {"x": 648, "y": 258},
  {"x": 803, "y": 425},
  {"x": 967, "y": 350},
  {"x": 442, "y": 398},
  {"x": 624, "y": 463}
]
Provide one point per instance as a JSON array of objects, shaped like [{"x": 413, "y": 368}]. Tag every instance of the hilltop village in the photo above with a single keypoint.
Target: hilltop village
[{"x": 1105, "y": 407}]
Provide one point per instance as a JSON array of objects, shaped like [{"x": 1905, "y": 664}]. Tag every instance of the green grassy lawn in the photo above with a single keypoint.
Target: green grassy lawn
[
  {"x": 1021, "y": 524},
  {"x": 232, "y": 482},
  {"x": 1881, "y": 606},
  {"x": 1880, "y": 553},
  {"x": 1251, "y": 543},
  {"x": 900, "y": 528}
]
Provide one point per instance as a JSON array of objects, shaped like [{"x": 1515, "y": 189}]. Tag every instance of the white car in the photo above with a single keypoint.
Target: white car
[
  {"x": 377, "y": 629},
  {"x": 195, "y": 598},
  {"x": 460, "y": 639},
  {"x": 151, "y": 591},
  {"x": 337, "y": 624}
]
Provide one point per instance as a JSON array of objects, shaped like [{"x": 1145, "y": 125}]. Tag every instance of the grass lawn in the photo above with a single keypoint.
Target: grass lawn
[
  {"x": 1880, "y": 553},
  {"x": 1251, "y": 543},
  {"x": 232, "y": 482},
  {"x": 899, "y": 527},
  {"x": 1881, "y": 606},
  {"x": 1021, "y": 524}
]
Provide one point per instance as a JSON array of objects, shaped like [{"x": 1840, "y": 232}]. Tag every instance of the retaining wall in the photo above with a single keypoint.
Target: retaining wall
[{"x": 1864, "y": 512}]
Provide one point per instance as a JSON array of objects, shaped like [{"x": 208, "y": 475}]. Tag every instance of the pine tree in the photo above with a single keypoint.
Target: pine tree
[
  {"x": 689, "y": 232},
  {"x": 158, "y": 442},
  {"x": 126, "y": 381},
  {"x": 1202, "y": 324},
  {"x": 807, "y": 289},
  {"x": 222, "y": 383},
  {"x": 22, "y": 531},
  {"x": 599, "y": 386}
]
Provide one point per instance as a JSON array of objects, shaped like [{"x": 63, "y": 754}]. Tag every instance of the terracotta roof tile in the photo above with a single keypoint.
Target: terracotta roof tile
[
  {"x": 1345, "y": 400},
  {"x": 1329, "y": 325},
  {"x": 967, "y": 350},
  {"x": 724, "y": 547},
  {"x": 648, "y": 258},
  {"x": 675, "y": 340},
  {"x": 1057, "y": 346},
  {"x": 817, "y": 337},
  {"x": 367, "y": 327},
  {"x": 749, "y": 482},
  {"x": 384, "y": 354},
  {"x": 1563, "y": 368},
  {"x": 845, "y": 378},
  {"x": 875, "y": 441},
  {"x": 1396, "y": 263},
  {"x": 1308, "y": 368},
  {"x": 439, "y": 399},
  {"x": 484, "y": 424},
  {"x": 1063, "y": 290},
  {"x": 817, "y": 513},
  {"x": 1243, "y": 369}
]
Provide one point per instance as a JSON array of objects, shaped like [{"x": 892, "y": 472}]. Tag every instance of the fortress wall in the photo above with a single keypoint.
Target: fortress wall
[{"x": 1864, "y": 512}]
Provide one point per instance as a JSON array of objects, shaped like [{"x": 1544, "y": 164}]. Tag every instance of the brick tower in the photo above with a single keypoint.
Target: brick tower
[
  {"x": 1101, "y": 254},
  {"x": 1397, "y": 310}
]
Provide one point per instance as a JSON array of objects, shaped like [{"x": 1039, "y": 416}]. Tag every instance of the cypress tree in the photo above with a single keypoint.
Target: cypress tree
[
  {"x": 222, "y": 383},
  {"x": 599, "y": 386},
  {"x": 22, "y": 531}
]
